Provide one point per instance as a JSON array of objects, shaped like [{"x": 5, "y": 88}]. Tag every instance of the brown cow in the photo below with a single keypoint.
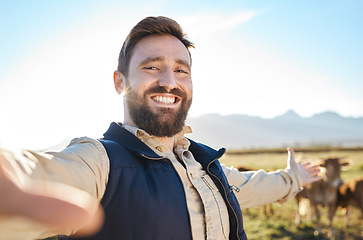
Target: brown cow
[
  {"x": 350, "y": 194},
  {"x": 324, "y": 191}
]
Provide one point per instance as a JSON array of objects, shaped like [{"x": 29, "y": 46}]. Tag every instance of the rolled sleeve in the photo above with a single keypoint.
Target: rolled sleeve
[{"x": 259, "y": 188}]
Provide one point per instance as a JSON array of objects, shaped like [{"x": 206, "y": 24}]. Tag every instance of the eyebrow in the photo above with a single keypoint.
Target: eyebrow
[
  {"x": 159, "y": 59},
  {"x": 184, "y": 63}
]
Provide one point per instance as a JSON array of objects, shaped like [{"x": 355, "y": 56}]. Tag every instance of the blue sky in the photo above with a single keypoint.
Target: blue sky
[{"x": 259, "y": 58}]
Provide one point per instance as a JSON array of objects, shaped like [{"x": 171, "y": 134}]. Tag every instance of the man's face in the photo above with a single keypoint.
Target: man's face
[{"x": 158, "y": 87}]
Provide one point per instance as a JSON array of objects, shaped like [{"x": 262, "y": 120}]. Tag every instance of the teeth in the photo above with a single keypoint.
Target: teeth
[{"x": 161, "y": 99}]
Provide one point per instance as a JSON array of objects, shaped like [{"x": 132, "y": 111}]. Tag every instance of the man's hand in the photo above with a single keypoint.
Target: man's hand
[
  {"x": 46, "y": 208},
  {"x": 309, "y": 172}
]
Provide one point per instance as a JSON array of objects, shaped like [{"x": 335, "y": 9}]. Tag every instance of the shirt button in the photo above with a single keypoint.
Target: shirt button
[{"x": 159, "y": 149}]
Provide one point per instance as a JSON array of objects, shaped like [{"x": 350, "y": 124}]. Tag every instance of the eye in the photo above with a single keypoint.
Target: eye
[
  {"x": 150, "y": 68},
  {"x": 182, "y": 71}
]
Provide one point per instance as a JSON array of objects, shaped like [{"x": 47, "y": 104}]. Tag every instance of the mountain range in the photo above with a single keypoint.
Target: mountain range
[{"x": 289, "y": 129}]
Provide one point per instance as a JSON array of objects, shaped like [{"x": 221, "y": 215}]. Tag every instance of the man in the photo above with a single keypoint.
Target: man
[{"x": 152, "y": 182}]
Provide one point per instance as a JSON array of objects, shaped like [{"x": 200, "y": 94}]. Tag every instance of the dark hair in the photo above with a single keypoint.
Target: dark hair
[{"x": 146, "y": 27}]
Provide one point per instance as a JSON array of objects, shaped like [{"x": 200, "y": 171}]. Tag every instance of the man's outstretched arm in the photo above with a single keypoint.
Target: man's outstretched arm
[
  {"x": 56, "y": 206},
  {"x": 260, "y": 187}
]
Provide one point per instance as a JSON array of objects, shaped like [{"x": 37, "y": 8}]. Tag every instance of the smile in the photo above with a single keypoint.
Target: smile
[{"x": 163, "y": 99}]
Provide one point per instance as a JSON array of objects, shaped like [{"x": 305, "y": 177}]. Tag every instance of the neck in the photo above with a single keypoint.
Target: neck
[{"x": 167, "y": 141}]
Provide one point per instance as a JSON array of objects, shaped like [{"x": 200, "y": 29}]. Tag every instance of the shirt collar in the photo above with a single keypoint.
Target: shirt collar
[{"x": 180, "y": 142}]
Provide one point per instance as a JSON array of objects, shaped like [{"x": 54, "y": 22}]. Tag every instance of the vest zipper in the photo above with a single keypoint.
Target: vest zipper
[
  {"x": 233, "y": 187},
  {"x": 225, "y": 193}
]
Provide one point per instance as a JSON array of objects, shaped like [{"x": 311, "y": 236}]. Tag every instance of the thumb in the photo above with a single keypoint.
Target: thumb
[{"x": 291, "y": 163}]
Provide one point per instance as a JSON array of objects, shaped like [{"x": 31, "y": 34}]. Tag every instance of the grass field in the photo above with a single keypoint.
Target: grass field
[{"x": 281, "y": 223}]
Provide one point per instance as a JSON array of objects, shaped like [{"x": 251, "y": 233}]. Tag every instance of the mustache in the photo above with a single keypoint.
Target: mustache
[{"x": 159, "y": 89}]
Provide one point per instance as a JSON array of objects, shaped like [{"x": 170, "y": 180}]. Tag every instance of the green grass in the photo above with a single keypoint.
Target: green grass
[{"x": 281, "y": 223}]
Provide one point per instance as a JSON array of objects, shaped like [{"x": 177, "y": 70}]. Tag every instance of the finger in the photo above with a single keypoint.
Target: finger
[
  {"x": 291, "y": 153},
  {"x": 311, "y": 169},
  {"x": 314, "y": 168},
  {"x": 315, "y": 172},
  {"x": 291, "y": 163},
  {"x": 305, "y": 165},
  {"x": 314, "y": 179}
]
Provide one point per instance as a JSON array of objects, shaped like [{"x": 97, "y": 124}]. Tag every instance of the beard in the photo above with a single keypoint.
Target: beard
[{"x": 166, "y": 122}]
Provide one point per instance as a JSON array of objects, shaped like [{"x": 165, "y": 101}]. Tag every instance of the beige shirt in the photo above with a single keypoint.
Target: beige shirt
[{"x": 84, "y": 165}]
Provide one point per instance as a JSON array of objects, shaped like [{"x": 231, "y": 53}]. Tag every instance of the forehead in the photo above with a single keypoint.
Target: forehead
[
  {"x": 165, "y": 46},
  {"x": 332, "y": 164}
]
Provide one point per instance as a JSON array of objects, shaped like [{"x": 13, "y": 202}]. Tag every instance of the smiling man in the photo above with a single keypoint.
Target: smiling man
[
  {"x": 152, "y": 182},
  {"x": 157, "y": 85}
]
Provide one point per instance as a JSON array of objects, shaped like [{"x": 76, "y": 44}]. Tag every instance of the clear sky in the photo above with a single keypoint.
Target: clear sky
[{"x": 259, "y": 58}]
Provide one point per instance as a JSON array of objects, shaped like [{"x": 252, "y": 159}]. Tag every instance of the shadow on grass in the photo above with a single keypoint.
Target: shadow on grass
[
  {"x": 307, "y": 233},
  {"x": 300, "y": 233}
]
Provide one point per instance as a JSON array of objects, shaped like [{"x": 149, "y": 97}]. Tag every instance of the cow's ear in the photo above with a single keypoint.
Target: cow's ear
[{"x": 346, "y": 164}]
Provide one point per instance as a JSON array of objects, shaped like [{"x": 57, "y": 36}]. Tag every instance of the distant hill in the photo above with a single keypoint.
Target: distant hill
[{"x": 289, "y": 129}]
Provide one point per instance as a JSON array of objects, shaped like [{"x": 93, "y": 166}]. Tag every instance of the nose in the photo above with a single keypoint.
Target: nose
[
  {"x": 167, "y": 79},
  {"x": 337, "y": 182}
]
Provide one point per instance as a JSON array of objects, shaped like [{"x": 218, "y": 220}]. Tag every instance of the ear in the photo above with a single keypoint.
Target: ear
[
  {"x": 119, "y": 81},
  {"x": 346, "y": 164}
]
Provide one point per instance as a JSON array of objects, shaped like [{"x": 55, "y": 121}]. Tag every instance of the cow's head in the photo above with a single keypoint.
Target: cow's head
[{"x": 331, "y": 169}]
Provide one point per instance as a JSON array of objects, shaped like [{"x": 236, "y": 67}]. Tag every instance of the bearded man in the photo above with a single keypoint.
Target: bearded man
[{"x": 152, "y": 182}]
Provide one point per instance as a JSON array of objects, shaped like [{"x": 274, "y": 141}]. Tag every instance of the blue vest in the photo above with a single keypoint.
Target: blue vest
[{"x": 145, "y": 199}]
